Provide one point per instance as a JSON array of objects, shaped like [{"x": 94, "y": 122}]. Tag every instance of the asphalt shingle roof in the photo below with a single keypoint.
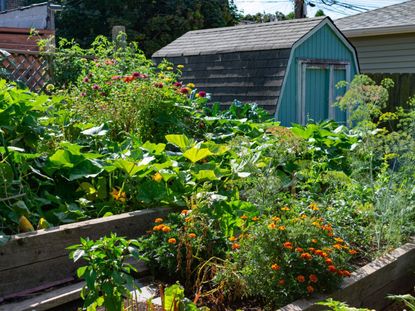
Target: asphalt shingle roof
[
  {"x": 266, "y": 36},
  {"x": 401, "y": 14}
]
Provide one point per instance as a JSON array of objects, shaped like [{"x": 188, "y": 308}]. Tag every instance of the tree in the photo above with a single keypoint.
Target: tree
[
  {"x": 320, "y": 13},
  {"x": 153, "y": 23},
  {"x": 267, "y": 17}
]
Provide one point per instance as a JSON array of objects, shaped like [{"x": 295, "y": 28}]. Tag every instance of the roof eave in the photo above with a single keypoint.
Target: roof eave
[{"x": 378, "y": 31}]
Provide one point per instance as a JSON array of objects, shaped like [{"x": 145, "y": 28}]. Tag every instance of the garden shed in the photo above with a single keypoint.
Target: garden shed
[{"x": 290, "y": 68}]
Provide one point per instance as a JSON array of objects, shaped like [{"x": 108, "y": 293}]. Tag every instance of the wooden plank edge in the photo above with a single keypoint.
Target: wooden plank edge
[{"x": 357, "y": 276}]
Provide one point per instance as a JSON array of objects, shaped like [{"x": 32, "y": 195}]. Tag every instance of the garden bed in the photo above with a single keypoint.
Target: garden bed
[
  {"x": 369, "y": 286},
  {"x": 34, "y": 261}
]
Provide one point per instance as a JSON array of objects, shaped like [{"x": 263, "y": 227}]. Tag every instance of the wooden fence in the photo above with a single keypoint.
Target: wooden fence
[
  {"x": 28, "y": 67},
  {"x": 403, "y": 90}
]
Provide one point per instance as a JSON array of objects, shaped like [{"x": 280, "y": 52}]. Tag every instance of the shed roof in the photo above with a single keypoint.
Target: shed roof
[
  {"x": 265, "y": 36},
  {"x": 32, "y": 16},
  {"x": 390, "y": 19}
]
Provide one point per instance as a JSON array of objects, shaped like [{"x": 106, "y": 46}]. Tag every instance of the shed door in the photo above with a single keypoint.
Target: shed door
[{"x": 318, "y": 91}]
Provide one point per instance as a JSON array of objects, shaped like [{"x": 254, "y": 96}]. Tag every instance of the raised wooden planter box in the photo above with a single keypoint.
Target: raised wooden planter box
[
  {"x": 37, "y": 260},
  {"x": 369, "y": 286}
]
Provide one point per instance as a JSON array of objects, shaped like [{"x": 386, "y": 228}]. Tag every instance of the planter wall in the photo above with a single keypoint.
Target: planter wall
[
  {"x": 37, "y": 260},
  {"x": 369, "y": 286}
]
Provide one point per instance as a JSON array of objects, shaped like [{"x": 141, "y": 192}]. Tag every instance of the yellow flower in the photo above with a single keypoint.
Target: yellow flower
[
  {"x": 313, "y": 206},
  {"x": 282, "y": 228},
  {"x": 232, "y": 239},
  {"x": 180, "y": 66},
  {"x": 285, "y": 208},
  {"x": 276, "y": 219},
  {"x": 118, "y": 195},
  {"x": 157, "y": 177},
  {"x": 169, "y": 68},
  {"x": 255, "y": 218},
  {"x": 338, "y": 240},
  {"x": 271, "y": 226},
  {"x": 190, "y": 85}
]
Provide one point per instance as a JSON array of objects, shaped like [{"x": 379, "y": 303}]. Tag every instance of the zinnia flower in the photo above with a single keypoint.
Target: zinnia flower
[
  {"x": 172, "y": 241},
  {"x": 288, "y": 245},
  {"x": 332, "y": 268},
  {"x": 306, "y": 256},
  {"x": 166, "y": 229},
  {"x": 192, "y": 235}
]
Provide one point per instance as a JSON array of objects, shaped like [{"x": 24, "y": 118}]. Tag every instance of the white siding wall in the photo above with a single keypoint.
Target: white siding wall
[{"x": 386, "y": 54}]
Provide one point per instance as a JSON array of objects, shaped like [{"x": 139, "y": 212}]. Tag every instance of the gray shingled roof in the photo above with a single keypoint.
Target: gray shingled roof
[
  {"x": 401, "y": 14},
  {"x": 266, "y": 36}
]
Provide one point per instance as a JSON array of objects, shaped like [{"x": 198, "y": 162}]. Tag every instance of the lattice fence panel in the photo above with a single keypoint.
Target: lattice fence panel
[{"x": 29, "y": 68}]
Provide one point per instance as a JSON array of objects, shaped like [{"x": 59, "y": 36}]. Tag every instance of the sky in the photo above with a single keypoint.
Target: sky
[{"x": 286, "y": 6}]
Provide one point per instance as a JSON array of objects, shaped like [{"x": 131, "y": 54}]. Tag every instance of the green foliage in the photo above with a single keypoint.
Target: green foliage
[
  {"x": 107, "y": 275},
  {"x": 153, "y": 24},
  {"x": 408, "y": 300},
  {"x": 339, "y": 306}
]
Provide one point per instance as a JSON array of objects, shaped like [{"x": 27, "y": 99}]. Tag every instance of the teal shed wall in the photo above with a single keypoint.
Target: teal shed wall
[{"x": 324, "y": 44}]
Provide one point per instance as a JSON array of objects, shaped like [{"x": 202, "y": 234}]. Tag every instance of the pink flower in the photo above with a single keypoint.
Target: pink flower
[
  {"x": 86, "y": 80},
  {"x": 136, "y": 75},
  {"x": 83, "y": 94},
  {"x": 158, "y": 85},
  {"x": 96, "y": 87},
  {"x": 202, "y": 94}
]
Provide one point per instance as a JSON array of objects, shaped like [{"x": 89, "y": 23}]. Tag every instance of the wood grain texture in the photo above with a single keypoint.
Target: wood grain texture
[
  {"x": 369, "y": 286},
  {"x": 34, "y": 259}
]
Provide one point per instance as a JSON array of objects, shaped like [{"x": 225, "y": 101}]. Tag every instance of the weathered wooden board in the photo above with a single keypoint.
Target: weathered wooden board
[
  {"x": 369, "y": 286},
  {"x": 36, "y": 259}
]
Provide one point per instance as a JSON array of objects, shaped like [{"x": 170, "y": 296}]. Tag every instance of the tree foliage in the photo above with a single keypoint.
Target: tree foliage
[{"x": 152, "y": 23}]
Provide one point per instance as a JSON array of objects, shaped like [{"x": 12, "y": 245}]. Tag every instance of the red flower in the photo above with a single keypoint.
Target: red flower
[
  {"x": 128, "y": 79},
  {"x": 288, "y": 245},
  {"x": 313, "y": 278},
  {"x": 136, "y": 75},
  {"x": 158, "y": 85},
  {"x": 300, "y": 278},
  {"x": 235, "y": 246},
  {"x": 275, "y": 267},
  {"x": 310, "y": 289},
  {"x": 332, "y": 268},
  {"x": 202, "y": 94},
  {"x": 281, "y": 282},
  {"x": 177, "y": 84}
]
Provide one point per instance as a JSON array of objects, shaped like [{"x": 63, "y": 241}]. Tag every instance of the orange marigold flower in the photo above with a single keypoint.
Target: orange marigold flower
[
  {"x": 318, "y": 252},
  {"x": 337, "y": 246},
  {"x": 192, "y": 235},
  {"x": 158, "y": 227},
  {"x": 329, "y": 261},
  {"x": 314, "y": 241},
  {"x": 300, "y": 278},
  {"x": 158, "y": 220},
  {"x": 281, "y": 282},
  {"x": 314, "y": 206},
  {"x": 232, "y": 239},
  {"x": 276, "y": 219},
  {"x": 288, "y": 245},
  {"x": 306, "y": 256},
  {"x": 285, "y": 208},
  {"x": 282, "y": 228},
  {"x": 316, "y": 224},
  {"x": 275, "y": 267},
  {"x": 346, "y": 273},
  {"x": 166, "y": 229},
  {"x": 272, "y": 226},
  {"x": 332, "y": 268},
  {"x": 172, "y": 241},
  {"x": 313, "y": 278},
  {"x": 299, "y": 250},
  {"x": 255, "y": 218},
  {"x": 352, "y": 252},
  {"x": 338, "y": 240},
  {"x": 184, "y": 212},
  {"x": 311, "y": 249},
  {"x": 310, "y": 289},
  {"x": 303, "y": 216},
  {"x": 235, "y": 246},
  {"x": 244, "y": 217},
  {"x": 187, "y": 219}
]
